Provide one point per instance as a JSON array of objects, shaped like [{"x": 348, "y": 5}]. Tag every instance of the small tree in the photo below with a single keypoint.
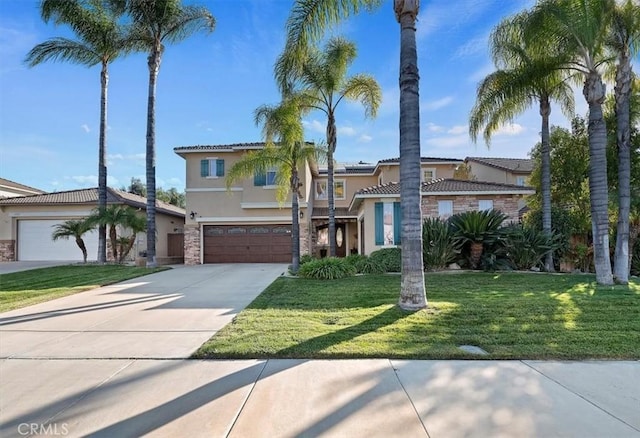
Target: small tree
[
  {"x": 124, "y": 217},
  {"x": 75, "y": 229}
]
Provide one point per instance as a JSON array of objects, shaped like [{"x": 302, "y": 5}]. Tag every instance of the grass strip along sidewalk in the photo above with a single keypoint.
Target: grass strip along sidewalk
[
  {"x": 510, "y": 315},
  {"x": 21, "y": 289}
]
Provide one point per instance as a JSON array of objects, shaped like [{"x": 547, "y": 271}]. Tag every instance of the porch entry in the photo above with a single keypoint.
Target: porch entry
[{"x": 341, "y": 240}]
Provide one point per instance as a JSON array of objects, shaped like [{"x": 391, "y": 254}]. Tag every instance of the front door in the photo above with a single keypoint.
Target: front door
[{"x": 341, "y": 241}]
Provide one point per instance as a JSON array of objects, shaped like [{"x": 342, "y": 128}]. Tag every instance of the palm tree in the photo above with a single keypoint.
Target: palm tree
[
  {"x": 286, "y": 151},
  {"x": 75, "y": 229},
  {"x": 580, "y": 27},
  {"x": 623, "y": 41},
  {"x": 134, "y": 223},
  {"x": 100, "y": 40},
  {"x": 321, "y": 84},
  {"x": 525, "y": 76},
  {"x": 307, "y": 23},
  {"x": 115, "y": 216},
  {"x": 156, "y": 22}
]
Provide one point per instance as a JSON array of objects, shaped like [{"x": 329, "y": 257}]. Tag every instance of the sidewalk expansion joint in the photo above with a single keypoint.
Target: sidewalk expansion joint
[
  {"x": 246, "y": 400},
  {"x": 415, "y": 409},
  {"x": 578, "y": 395}
]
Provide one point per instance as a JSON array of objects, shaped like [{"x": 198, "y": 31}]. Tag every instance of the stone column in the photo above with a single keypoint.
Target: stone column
[{"x": 192, "y": 244}]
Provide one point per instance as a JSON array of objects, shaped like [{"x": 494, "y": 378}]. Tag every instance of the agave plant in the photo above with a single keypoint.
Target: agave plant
[
  {"x": 527, "y": 246},
  {"x": 476, "y": 228},
  {"x": 439, "y": 245}
]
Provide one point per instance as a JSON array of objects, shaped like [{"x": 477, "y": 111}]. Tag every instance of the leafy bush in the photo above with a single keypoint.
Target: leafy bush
[
  {"x": 389, "y": 258},
  {"x": 364, "y": 264},
  {"x": 526, "y": 246},
  {"x": 306, "y": 258},
  {"x": 328, "y": 268},
  {"x": 438, "y": 245},
  {"x": 564, "y": 224}
]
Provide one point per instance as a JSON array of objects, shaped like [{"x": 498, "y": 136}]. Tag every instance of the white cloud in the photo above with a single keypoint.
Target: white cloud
[
  {"x": 448, "y": 142},
  {"x": 510, "y": 129},
  {"x": 458, "y": 129},
  {"x": 90, "y": 180},
  {"x": 432, "y": 127},
  {"x": 85, "y": 127},
  {"x": 346, "y": 130},
  {"x": 136, "y": 158},
  {"x": 481, "y": 73},
  {"x": 315, "y": 126},
  {"x": 437, "y": 104},
  {"x": 364, "y": 138},
  {"x": 474, "y": 46}
]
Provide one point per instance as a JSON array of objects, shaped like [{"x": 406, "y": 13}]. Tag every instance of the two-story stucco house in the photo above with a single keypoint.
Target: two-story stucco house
[
  {"x": 501, "y": 170},
  {"x": 245, "y": 223}
]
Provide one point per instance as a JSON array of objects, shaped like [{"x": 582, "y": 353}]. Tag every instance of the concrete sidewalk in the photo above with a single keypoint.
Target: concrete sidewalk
[
  {"x": 111, "y": 362},
  {"x": 342, "y": 398}
]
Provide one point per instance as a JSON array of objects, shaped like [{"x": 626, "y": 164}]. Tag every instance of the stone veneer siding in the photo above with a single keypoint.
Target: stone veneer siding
[
  {"x": 7, "y": 250},
  {"x": 305, "y": 247},
  {"x": 191, "y": 244},
  {"x": 508, "y": 204}
]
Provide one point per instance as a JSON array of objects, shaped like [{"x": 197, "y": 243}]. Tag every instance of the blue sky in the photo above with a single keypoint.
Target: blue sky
[{"x": 209, "y": 86}]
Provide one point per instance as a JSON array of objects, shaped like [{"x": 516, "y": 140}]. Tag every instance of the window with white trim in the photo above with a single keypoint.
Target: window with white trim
[
  {"x": 211, "y": 168},
  {"x": 520, "y": 181},
  {"x": 428, "y": 174},
  {"x": 485, "y": 204},
  {"x": 387, "y": 217},
  {"x": 339, "y": 191},
  {"x": 445, "y": 209},
  {"x": 266, "y": 179}
]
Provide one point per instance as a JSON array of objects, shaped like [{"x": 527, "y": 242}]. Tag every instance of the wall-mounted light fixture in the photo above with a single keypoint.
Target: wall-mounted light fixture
[
  {"x": 301, "y": 215},
  {"x": 192, "y": 215}
]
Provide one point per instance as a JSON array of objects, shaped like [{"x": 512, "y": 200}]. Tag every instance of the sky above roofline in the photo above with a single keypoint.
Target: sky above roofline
[{"x": 210, "y": 85}]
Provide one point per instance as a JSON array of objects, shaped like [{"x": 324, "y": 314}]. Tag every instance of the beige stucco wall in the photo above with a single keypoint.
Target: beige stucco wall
[
  {"x": 353, "y": 183},
  {"x": 491, "y": 174},
  {"x": 367, "y": 213},
  {"x": 391, "y": 173}
]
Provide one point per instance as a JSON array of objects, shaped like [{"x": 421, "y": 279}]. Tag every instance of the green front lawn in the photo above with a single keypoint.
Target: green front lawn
[
  {"x": 510, "y": 315},
  {"x": 20, "y": 289}
]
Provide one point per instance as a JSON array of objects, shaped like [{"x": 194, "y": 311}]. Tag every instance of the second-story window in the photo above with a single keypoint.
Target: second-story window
[
  {"x": 266, "y": 179},
  {"x": 520, "y": 181},
  {"x": 338, "y": 190},
  {"x": 211, "y": 168},
  {"x": 428, "y": 175}
]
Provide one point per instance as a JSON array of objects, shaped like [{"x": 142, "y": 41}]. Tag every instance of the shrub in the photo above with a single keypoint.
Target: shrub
[
  {"x": 328, "y": 268},
  {"x": 526, "y": 246},
  {"x": 389, "y": 258},
  {"x": 475, "y": 229},
  {"x": 306, "y": 259},
  {"x": 364, "y": 264},
  {"x": 438, "y": 246},
  {"x": 354, "y": 259}
]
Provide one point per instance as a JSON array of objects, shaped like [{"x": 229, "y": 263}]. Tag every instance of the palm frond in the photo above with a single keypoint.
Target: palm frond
[
  {"x": 364, "y": 89},
  {"x": 62, "y": 49}
]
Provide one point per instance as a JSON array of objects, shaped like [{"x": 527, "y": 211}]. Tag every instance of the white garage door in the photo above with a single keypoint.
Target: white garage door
[{"x": 35, "y": 243}]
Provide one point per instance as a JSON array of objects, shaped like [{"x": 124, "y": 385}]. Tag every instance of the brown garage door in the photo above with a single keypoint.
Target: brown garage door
[{"x": 247, "y": 244}]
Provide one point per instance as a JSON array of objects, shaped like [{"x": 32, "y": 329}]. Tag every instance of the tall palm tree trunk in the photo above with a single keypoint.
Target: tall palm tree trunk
[
  {"x": 331, "y": 143},
  {"x": 295, "y": 223},
  {"x": 154, "y": 67},
  {"x": 621, "y": 265},
  {"x": 102, "y": 160},
  {"x": 113, "y": 238},
  {"x": 545, "y": 180},
  {"x": 412, "y": 289},
  {"x": 594, "y": 92}
]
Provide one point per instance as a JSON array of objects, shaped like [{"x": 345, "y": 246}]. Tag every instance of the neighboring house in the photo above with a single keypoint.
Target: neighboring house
[
  {"x": 247, "y": 224},
  {"x": 26, "y": 225},
  {"x": 501, "y": 170},
  {"x": 10, "y": 189}
]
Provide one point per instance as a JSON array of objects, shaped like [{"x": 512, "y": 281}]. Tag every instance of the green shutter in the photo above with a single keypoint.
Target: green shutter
[
  {"x": 259, "y": 179},
  {"x": 397, "y": 222},
  {"x": 219, "y": 167},
  {"x": 379, "y": 223},
  {"x": 204, "y": 168}
]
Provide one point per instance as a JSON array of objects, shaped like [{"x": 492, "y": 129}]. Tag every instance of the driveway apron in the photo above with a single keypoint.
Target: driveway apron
[{"x": 166, "y": 315}]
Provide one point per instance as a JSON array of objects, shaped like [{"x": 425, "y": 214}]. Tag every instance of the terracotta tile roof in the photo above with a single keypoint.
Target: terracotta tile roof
[
  {"x": 518, "y": 165},
  {"x": 341, "y": 212},
  {"x": 90, "y": 197},
  {"x": 9, "y": 183},
  {"x": 423, "y": 160},
  {"x": 444, "y": 185}
]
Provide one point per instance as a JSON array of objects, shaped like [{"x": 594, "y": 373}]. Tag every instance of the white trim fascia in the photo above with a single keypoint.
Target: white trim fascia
[
  {"x": 478, "y": 193},
  {"x": 251, "y": 205},
  {"x": 201, "y": 151},
  {"x": 214, "y": 189},
  {"x": 240, "y": 219},
  {"x": 53, "y": 214}
]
